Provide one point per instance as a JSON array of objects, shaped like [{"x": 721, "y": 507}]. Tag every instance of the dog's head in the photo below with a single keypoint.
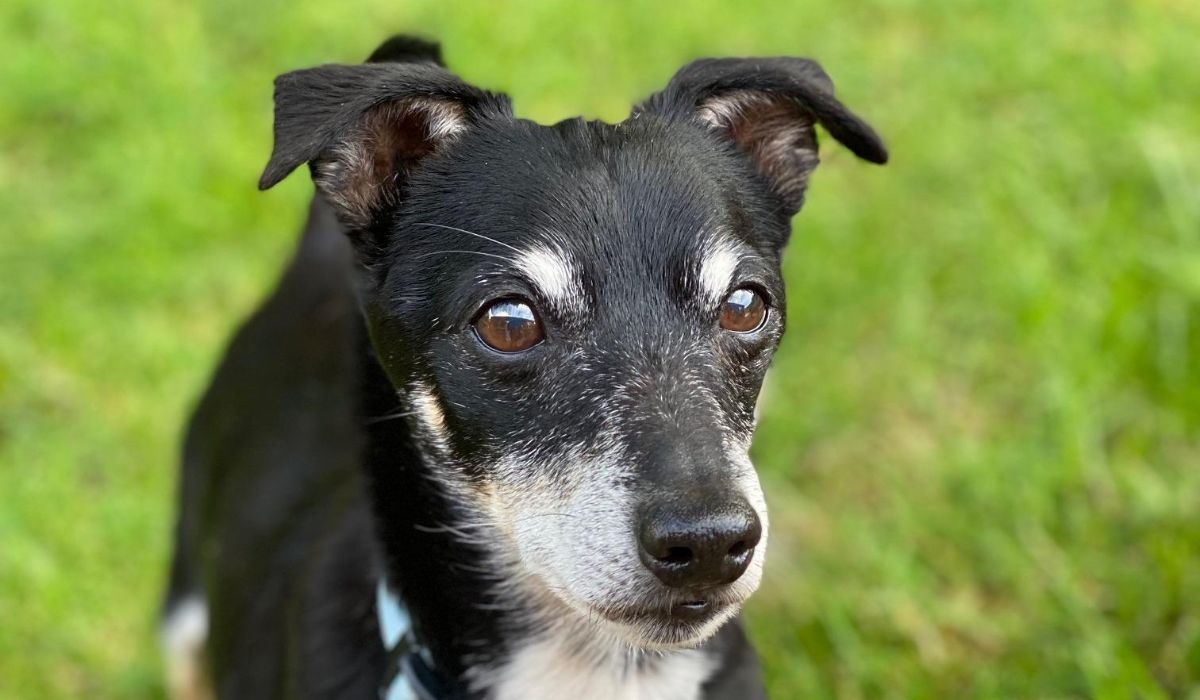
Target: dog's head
[{"x": 580, "y": 315}]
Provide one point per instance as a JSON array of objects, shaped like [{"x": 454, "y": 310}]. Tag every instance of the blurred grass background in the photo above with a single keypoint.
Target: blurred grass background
[{"x": 982, "y": 442}]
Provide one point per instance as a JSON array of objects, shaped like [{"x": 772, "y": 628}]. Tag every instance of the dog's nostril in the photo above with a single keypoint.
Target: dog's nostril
[
  {"x": 678, "y": 556},
  {"x": 711, "y": 549}
]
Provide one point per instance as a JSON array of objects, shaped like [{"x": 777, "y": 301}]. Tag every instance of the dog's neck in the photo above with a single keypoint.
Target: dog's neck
[
  {"x": 495, "y": 641},
  {"x": 435, "y": 573}
]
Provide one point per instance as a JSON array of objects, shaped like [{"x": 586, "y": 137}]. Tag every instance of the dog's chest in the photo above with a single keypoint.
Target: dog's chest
[{"x": 545, "y": 670}]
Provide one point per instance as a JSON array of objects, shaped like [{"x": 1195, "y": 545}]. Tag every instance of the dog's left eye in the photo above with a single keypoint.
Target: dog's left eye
[
  {"x": 509, "y": 325},
  {"x": 744, "y": 311}
]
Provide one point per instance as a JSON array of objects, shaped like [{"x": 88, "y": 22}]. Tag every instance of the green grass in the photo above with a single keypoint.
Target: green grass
[{"x": 982, "y": 442}]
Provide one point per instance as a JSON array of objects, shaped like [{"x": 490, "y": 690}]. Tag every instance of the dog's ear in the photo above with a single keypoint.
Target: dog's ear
[
  {"x": 362, "y": 129},
  {"x": 402, "y": 48},
  {"x": 768, "y": 108}
]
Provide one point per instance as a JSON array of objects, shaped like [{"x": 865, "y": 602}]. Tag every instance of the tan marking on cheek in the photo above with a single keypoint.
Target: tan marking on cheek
[{"x": 430, "y": 415}]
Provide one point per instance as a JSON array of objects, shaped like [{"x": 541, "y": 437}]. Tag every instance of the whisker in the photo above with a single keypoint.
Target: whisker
[
  {"x": 471, "y": 233},
  {"x": 393, "y": 416},
  {"x": 452, "y": 529},
  {"x": 543, "y": 515},
  {"x": 468, "y": 252}
]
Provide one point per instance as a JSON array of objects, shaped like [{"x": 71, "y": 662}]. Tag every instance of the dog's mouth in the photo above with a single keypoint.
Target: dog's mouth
[
  {"x": 691, "y": 609},
  {"x": 672, "y": 624}
]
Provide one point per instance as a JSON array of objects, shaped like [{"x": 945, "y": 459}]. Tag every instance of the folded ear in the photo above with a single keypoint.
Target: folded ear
[
  {"x": 767, "y": 107},
  {"x": 363, "y": 128}
]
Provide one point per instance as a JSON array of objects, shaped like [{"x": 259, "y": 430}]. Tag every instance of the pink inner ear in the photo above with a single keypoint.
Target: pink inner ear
[
  {"x": 365, "y": 174},
  {"x": 775, "y": 131}
]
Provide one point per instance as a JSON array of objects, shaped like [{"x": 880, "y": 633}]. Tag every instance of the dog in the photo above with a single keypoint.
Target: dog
[{"x": 489, "y": 436}]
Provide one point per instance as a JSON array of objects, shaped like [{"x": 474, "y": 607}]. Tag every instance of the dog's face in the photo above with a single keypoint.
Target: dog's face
[{"x": 580, "y": 316}]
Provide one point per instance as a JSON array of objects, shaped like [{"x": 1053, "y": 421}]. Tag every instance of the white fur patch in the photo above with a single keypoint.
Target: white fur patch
[
  {"x": 184, "y": 633},
  {"x": 546, "y": 669},
  {"x": 554, "y": 273},
  {"x": 720, "y": 112},
  {"x": 717, "y": 268},
  {"x": 445, "y": 118}
]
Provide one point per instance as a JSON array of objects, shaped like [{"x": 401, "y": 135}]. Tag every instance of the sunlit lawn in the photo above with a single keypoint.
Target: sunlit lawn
[{"x": 982, "y": 441}]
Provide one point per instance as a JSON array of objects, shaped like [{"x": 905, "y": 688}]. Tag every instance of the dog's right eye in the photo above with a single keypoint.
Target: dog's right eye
[
  {"x": 744, "y": 311},
  {"x": 509, "y": 325}
]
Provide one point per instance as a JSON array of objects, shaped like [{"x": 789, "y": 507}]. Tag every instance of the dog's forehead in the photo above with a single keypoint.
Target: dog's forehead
[{"x": 618, "y": 205}]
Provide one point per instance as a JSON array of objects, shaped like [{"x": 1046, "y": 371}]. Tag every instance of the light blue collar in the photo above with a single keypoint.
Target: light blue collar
[{"x": 402, "y": 681}]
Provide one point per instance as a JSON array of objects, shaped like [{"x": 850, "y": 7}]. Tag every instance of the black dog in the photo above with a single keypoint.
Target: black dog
[{"x": 488, "y": 439}]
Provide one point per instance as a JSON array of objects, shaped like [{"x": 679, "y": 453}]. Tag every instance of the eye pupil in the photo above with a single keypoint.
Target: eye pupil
[
  {"x": 744, "y": 311},
  {"x": 509, "y": 326}
]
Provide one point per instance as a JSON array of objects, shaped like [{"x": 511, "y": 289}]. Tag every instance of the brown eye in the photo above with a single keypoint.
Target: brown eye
[
  {"x": 743, "y": 311},
  {"x": 509, "y": 325}
]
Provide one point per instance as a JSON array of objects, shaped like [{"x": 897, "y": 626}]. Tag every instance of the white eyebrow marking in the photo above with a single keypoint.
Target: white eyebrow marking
[
  {"x": 554, "y": 273},
  {"x": 717, "y": 268}
]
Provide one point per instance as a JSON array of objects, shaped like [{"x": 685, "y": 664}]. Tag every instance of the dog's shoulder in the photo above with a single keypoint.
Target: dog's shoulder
[{"x": 274, "y": 511}]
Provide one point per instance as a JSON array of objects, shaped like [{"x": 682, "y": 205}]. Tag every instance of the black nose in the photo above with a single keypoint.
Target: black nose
[{"x": 707, "y": 549}]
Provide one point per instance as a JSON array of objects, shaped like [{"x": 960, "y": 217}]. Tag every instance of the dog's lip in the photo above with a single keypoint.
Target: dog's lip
[{"x": 694, "y": 611}]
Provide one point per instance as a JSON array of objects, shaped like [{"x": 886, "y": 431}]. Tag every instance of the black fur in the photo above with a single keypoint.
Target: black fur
[
  {"x": 407, "y": 49},
  {"x": 302, "y": 483}
]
